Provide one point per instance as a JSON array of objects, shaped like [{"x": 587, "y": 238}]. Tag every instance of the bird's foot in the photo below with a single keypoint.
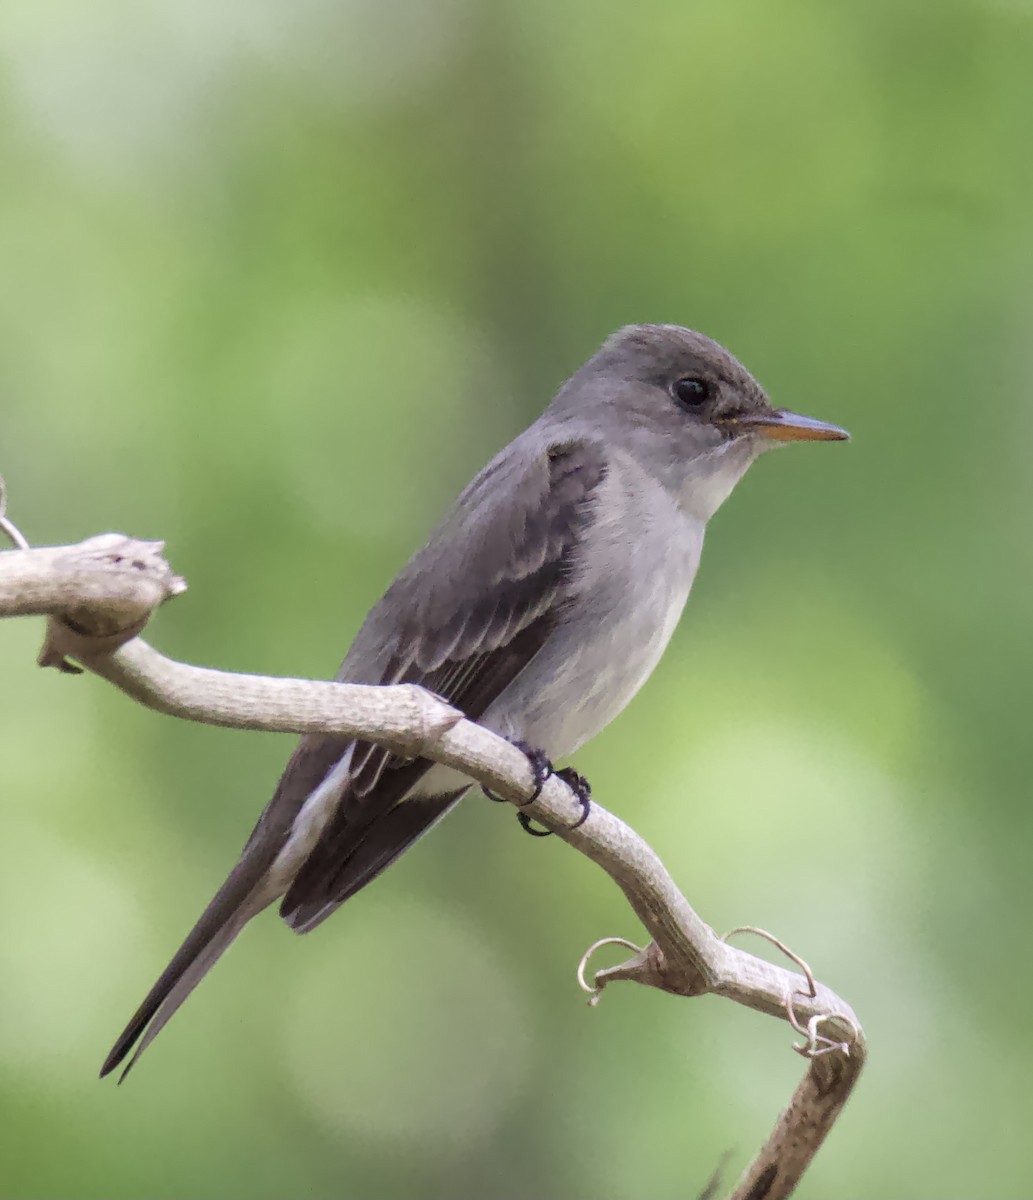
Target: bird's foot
[
  {"x": 542, "y": 768},
  {"x": 582, "y": 789}
]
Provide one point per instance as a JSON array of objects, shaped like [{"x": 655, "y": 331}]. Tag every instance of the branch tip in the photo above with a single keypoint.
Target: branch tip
[
  {"x": 6, "y": 524},
  {"x": 595, "y": 989},
  {"x": 816, "y": 1044}
]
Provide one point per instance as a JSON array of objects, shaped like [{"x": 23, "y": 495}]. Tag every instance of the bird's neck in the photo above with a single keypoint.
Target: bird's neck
[{"x": 708, "y": 481}]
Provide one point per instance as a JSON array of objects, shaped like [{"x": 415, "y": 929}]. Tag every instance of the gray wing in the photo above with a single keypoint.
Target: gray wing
[{"x": 463, "y": 619}]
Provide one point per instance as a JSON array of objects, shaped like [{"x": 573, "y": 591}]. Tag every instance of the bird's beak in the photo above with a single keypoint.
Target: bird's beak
[{"x": 783, "y": 426}]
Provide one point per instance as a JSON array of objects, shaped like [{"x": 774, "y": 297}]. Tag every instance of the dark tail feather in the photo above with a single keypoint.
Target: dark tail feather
[
  {"x": 333, "y": 871},
  {"x": 235, "y": 903},
  {"x": 339, "y": 866}
]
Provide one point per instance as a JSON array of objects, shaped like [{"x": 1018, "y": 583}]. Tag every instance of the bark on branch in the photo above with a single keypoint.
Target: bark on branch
[{"x": 99, "y": 594}]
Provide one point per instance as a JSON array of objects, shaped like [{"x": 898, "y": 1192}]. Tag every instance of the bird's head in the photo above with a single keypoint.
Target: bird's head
[{"x": 685, "y": 408}]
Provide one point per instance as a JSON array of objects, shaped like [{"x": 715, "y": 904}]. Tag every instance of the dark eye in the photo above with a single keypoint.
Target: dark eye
[{"x": 691, "y": 393}]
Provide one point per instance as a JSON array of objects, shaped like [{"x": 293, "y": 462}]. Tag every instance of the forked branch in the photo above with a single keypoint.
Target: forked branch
[{"x": 99, "y": 594}]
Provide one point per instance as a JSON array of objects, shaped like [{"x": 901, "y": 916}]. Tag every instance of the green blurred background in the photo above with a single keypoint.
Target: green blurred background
[{"x": 276, "y": 280}]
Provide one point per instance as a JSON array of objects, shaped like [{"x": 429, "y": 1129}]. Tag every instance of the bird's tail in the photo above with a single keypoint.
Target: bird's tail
[{"x": 240, "y": 898}]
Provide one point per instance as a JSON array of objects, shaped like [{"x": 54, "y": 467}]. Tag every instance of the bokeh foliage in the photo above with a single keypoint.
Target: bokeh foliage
[{"x": 277, "y": 279}]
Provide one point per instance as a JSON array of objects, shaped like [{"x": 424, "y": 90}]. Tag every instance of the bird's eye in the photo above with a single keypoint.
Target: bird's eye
[{"x": 691, "y": 393}]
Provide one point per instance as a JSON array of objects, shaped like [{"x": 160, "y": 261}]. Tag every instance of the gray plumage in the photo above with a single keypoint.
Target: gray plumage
[{"x": 538, "y": 606}]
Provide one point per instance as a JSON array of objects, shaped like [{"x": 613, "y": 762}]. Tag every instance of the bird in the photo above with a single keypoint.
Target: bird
[{"x": 538, "y": 607}]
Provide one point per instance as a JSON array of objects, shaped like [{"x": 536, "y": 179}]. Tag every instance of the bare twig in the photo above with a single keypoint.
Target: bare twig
[
  {"x": 594, "y": 991},
  {"x": 98, "y": 596},
  {"x": 6, "y": 524},
  {"x": 770, "y": 937}
]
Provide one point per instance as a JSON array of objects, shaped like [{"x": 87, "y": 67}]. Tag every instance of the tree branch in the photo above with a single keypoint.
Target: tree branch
[{"x": 99, "y": 595}]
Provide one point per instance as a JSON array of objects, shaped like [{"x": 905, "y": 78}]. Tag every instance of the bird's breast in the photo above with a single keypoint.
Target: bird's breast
[{"x": 629, "y": 587}]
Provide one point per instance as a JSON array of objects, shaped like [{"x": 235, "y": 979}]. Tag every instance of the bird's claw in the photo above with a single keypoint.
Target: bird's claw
[
  {"x": 581, "y": 788},
  {"x": 541, "y": 768},
  {"x": 527, "y": 827}
]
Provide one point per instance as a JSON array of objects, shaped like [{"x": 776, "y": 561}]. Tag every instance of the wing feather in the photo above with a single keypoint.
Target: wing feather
[{"x": 464, "y": 637}]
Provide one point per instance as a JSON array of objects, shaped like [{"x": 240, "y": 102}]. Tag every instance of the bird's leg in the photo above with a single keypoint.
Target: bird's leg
[{"x": 542, "y": 768}]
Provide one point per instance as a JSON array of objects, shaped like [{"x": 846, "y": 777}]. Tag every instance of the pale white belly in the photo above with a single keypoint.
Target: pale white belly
[{"x": 591, "y": 668}]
